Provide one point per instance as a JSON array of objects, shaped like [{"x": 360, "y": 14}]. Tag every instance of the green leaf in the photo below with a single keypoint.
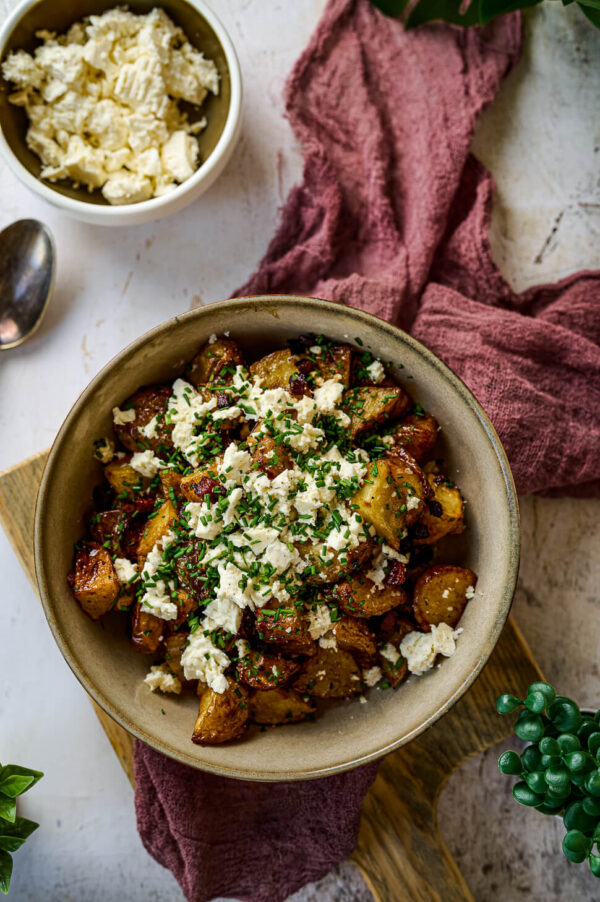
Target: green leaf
[
  {"x": 595, "y": 865},
  {"x": 12, "y": 836},
  {"x": 392, "y": 8},
  {"x": 568, "y": 742},
  {"x": 576, "y": 846},
  {"x": 564, "y": 714},
  {"x": 549, "y": 746},
  {"x": 6, "y": 866},
  {"x": 594, "y": 742},
  {"x": 536, "y": 782},
  {"x": 545, "y": 688},
  {"x": 526, "y": 796},
  {"x": 529, "y": 727},
  {"x": 576, "y": 818},
  {"x": 591, "y": 806},
  {"x": 490, "y": 9},
  {"x": 507, "y": 703},
  {"x": 557, "y": 778},
  {"x": 593, "y": 4},
  {"x": 579, "y": 762},
  {"x": 592, "y": 783},
  {"x": 15, "y": 780},
  {"x": 8, "y": 808},
  {"x": 510, "y": 763},
  {"x": 531, "y": 758},
  {"x": 447, "y": 11}
]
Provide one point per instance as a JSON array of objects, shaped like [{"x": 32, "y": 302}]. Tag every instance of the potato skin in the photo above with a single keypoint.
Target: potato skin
[
  {"x": 146, "y": 630},
  {"x": 336, "y": 361},
  {"x": 275, "y": 370},
  {"x": 94, "y": 581},
  {"x": 156, "y": 529},
  {"x": 335, "y": 569},
  {"x": 269, "y": 457},
  {"x": 411, "y": 484},
  {"x": 223, "y": 716},
  {"x": 212, "y": 359},
  {"x": 109, "y": 526},
  {"x": 417, "y": 435},
  {"x": 148, "y": 403},
  {"x": 368, "y": 406},
  {"x": 360, "y": 597},
  {"x": 175, "y": 644},
  {"x": 330, "y": 674},
  {"x": 186, "y": 604},
  {"x": 286, "y": 630},
  {"x": 279, "y": 706},
  {"x": 256, "y": 670},
  {"x": 447, "y": 499},
  {"x": 354, "y": 636},
  {"x": 430, "y": 606},
  {"x": 123, "y": 479}
]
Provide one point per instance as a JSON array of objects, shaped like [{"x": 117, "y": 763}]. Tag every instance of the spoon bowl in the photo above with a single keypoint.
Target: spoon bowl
[{"x": 27, "y": 270}]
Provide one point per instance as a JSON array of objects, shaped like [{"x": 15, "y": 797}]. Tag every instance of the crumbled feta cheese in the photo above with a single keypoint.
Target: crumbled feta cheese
[
  {"x": 421, "y": 649},
  {"x": 150, "y": 429},
  {"x": 156, "y": 598},
  {"x": 390, "y": 653},
  {"x": 146, "y": 463},
  {"x": 470, "y": 592},
  {"x": 104, "y": 450},
  {"x": 372, "y": 676},
  {"x": 126, "y": 570},
  {"x": 376, "y": 371},
  {"x": 103, "y": 103},
  {"x": 412, "y": 503},
  {"x": 161, "y": 679},
  {"x": 202, "y": 660},
  {"x": 122, "y": 417}
]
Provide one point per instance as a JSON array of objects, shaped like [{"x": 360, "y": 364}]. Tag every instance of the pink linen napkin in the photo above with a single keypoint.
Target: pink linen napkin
[{"x": 391, "y": 217}]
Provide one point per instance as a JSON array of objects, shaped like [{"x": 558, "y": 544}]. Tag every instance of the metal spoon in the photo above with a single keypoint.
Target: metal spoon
[{"x": 27, "y": 269}]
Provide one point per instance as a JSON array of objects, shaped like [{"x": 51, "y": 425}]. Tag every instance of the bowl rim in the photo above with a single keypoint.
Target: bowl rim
[
  {"x": 157, "y": 206},
  {"x": 513, "y": 555}
]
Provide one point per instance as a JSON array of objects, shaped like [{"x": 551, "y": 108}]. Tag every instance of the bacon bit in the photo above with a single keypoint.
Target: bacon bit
[
  {"x": 208, "y": 486},
  {"x": 396, "y": 575}
]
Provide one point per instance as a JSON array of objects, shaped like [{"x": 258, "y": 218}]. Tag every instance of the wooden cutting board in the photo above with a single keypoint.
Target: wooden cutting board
[{"x": 401, "y": 852}]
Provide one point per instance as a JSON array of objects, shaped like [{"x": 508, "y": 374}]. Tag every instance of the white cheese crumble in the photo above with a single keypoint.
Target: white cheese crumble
[
  {"x": 203, "y": 661},
  {"x": 156, "y": 598},
  {"x": 372, "y": 676},
  {"x": 126, "y": 571},
  {"x": 122, "y": 417},
  {"x": 103, "y": 102},
  {"x": 376, "y": 372},
  {"x": 146, "y": 463},
  {"x": 390, "y": 653},
  {"x": 104, "y": 450},
  {"x": 421, "y": 649},
  {"x": 150, "y": 430},
  {"x": 470, "y": 592},
  {"x": 160, "y": 678}
]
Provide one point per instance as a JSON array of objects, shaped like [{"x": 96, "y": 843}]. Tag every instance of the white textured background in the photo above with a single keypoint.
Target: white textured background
[{"x": 541, "y": 138}]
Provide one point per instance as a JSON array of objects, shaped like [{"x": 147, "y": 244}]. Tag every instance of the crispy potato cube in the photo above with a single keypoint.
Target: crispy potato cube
[
  {"x": 360, "y": 597},
  {"x": 123, "y": 479},
  {"x": 170, "y": 479},
  {"x": 444, "y": 513},
  {"x": 266, "y": 671},
  {"x": 222, "y": 716},
  {"x": 94, "y": 581},
  {"x": 148, "y": 403},
  {"x": 417, "y": 434},
  {"x": 201, "y": 483},
  {"x": 411, "y": 484},
  {"x": 109, "y": 526},
  {"x": 441, "y": 595},
  {"x": 367, "y": 406},
  {"x": 146, "y": 630},
  {"x": 392, "y": 496},
  {"x": 156, "y": 529},
  {"x": 275, "y": 370},
  {"x": 175, "y": 645},
  {"x": 394, "y": 671},
  {"x": 284, "y": 628},
  {"x": 354, "y": 636},
  {"x": 186, "y": 603},
  {"x": 268, "y": 456},
  {"x": 330, "y": 674},
  {"x": 338, "y": 566},
  {"x": 215, "y": 362},
  {"x": 276, "y": 706},
  {"x": 336, "y": 361}
]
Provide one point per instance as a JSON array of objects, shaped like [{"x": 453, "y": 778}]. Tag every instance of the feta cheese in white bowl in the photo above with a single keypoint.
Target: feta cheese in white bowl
[{"x": 118, "y": 122}]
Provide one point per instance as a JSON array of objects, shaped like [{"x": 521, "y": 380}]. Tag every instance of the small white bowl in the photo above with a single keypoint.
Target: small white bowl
[{"x": 18, "y": 32}]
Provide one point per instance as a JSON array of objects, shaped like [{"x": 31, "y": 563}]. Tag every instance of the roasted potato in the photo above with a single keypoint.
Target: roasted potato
[
  {"x": 392, "y": 497},
  {"x": 392, "y": 633},
  {"x": 265, "y": 671},
  {"x": 186, "y": 603},
  {"x": 200, "y": 484},
  {"x": 216, "y": 362},
  {"x": 417, "y": 434},
  {"x": 146, "y": 630},
  {"x": 108, "y": 527},
  {"x": 276, "y": 370},
  {"x": 368, "y": 406},
  {"x": 393, "y": 671},
  {"x": 441, "y": 594},
  {"x": 285, "y": 629},
  {"x": 156, "y": 529},
  {"x": 276, "y": 706},
  {"x": 268, "y": 456},
  {"x": 222, "y": 716},
  {"x": 360, "y": 597},
  {"x": 94, "y": 581},
  {"x": 443, "y": 513},
  {"x": 354, "y": 636},
  {"x": 170, "y": 479},
  {"x": 190, "y": 571},
  {"x": 335, "y": 361},
  {"x": 148, "y": 403},
  {"x": 124, "y": 480},
  {"x": 336, "y": 567},
  {"x": 330, "y": 674},
  {"x": 175, "y": 644}
]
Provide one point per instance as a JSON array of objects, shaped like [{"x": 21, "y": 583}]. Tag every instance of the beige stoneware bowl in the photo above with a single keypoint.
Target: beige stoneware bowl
[{"x": 347, "y": 734}]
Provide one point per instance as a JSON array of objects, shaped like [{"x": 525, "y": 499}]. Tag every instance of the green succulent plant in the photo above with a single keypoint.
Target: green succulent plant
[
  {"x": 560, "y": 769},
  {"x": 14, "y": 830},
  {"x": 472, "y": 12}
]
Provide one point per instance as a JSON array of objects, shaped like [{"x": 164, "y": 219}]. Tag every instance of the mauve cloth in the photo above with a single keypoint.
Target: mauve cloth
[{"x": 391, "y": 217}]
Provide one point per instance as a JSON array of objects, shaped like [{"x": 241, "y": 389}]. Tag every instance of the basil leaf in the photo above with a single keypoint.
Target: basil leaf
[
  {"x": 15, "y": 780},
  {"x": 392, "y": 8},
  {"x": 447, "y": 10},
  {"x": 489, "y": 9},
  {"x": 12, "y": 836},
  {"x": 595, "y": 4},
  {"x": 8, "y": 808},
  {"x": 592, "y": 14},
  {"x": 6, "y": 866}
]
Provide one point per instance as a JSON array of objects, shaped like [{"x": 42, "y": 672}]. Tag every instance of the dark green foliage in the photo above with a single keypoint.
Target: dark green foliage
[
  {"x": 14, "y": 781},
  {"x": 477, "y": 12},
  {"x": 560, "y": 769}
]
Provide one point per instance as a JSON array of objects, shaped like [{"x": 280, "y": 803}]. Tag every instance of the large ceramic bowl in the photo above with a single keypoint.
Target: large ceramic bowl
[
  {"x": 216, "y": 141},
  {"x": 347, "y": 733}
]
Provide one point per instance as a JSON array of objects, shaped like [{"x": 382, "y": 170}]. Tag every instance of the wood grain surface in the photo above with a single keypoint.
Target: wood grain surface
[{"x": 401, "y": 852}]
